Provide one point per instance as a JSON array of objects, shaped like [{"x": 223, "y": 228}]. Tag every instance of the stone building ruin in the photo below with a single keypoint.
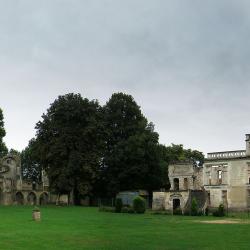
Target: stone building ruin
[
  {"x": 224, "y": 179},
  {"x": 14, "y": 190}
]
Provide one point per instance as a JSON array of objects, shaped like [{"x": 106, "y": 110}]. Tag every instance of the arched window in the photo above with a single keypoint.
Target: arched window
[
  {"x": 19, "y": 198},
  {"x": 31, "y": 199},
  {"x": 43, "y": 199}
]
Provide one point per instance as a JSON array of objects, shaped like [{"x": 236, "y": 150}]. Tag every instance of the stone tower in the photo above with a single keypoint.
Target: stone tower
[{"x": 247, "y": 144}]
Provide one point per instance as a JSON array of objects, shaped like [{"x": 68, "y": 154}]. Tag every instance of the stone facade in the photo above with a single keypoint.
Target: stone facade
[
  {"x": 14, "y": 190},
  {"x": 225, "y": 178},
  {"x": 185, "y": 178}
]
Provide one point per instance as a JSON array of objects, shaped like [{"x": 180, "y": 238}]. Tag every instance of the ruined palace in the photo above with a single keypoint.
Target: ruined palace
[
  {"x": 224, "y": 179},
  {"x": 14, "y": 190}
]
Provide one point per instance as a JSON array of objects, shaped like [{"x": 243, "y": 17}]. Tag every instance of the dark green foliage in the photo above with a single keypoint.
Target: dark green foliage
[
  {"x": 176, "y": 153},
  {"x": 107, "y": 209},
  {"x": 187, "y": 212},
  {"x": 98, "y": 151},
  {"x": 36, "y": 209},
  {"x": 220, "y": 212},
  {"x": 31, "y": 169},
  {"x": 139, "y": 205},
  {"x": 127, "y": 209},
  {"x": 118, "y": 205},
  {"x": 69, "y": 144},
  {"x": 3, "y": 148},
  {"x": 133, "y": 158},
  {"x": 207, "y": 211},
  {"x": 14, "y": 152},
  {"x": 194, "y": 207},
  {"x": 177, "y": 211},
  {"x": 161, "y": 212}
]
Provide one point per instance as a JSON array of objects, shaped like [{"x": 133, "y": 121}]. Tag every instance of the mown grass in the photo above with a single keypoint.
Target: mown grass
[{"x": 87, "y": 228}]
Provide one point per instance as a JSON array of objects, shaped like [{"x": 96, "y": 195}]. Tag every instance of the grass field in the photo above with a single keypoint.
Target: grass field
[{"x": 87, "y": 228}]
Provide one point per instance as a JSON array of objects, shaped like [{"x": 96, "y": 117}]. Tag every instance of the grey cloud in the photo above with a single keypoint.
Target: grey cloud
[{"x": 185, "y": 62}]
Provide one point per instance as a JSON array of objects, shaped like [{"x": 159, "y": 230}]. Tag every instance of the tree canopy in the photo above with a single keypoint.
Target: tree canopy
[
  {"x": 3, "y": 148},
  {"x": 69, "y": 143},
  {"x": 132, "y": 157},
  {"x": 31, "y": 169},
  {"x": 176, "y": 153},
  {"x": 87, "y": 149}
]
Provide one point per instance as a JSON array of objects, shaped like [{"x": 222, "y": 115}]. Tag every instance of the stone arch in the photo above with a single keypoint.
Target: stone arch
[
  {"x": 31, "y": 198},
  {"x": 44, "y": 198},
  {"x": 19, "y": 198},
  {"x": 176, "y": 203}
]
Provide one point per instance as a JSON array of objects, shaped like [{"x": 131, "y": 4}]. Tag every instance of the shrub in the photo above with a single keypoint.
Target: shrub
[
  {"x": 139, "y": 205},
  {"x": 194, "y": 207},
  {"x": 128, "y": 210},
  {"x": 220, "y": 212},
  {"x": 106, "y": 209},
  {"x": 186, "y": 212},
  {"x": 177, "y": 211},
  {"x": 36, "y": 209},
  {"x": 118, "y": 205},
  {"x": 207, "y": 211}
]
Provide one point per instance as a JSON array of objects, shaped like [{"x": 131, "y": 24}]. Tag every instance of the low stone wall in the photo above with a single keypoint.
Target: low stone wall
[{"x": 159, "y": 200}]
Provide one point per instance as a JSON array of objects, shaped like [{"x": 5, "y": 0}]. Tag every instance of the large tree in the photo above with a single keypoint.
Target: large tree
[
  {"x": 69, "y": 144},
  {"x": 133, "y": 157},
  {"x": 3, "y": 148},
  {"x": 31, "y": 169},
  {"x": 176, "y": 153}
]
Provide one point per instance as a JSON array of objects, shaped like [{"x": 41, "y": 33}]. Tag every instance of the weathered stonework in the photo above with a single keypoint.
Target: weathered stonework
[
  {"x": 13, "y": 190},
  {"x": 225, "y": 178},
  {"x": 185, "y": 178}
]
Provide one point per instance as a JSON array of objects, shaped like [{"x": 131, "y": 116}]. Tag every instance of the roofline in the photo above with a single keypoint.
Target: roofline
[
  {"x": 226, "y": 159},
  {"x": 231, "y": 151}
]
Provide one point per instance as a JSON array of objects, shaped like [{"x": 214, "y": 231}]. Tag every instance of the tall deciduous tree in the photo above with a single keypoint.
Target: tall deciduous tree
[
  {"x": 133, "y": 157},
  {"x": 69, "y": 141},
  {"x": 3, "y": 148},
  {"x": 31, "y": 169}
]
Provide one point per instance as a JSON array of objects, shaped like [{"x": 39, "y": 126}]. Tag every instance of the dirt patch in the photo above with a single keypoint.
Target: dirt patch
[{"x": 223, "y": 221}]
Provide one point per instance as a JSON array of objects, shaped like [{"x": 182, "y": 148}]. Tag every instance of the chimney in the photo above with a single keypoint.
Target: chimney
[{"x": 247, "y": 144}]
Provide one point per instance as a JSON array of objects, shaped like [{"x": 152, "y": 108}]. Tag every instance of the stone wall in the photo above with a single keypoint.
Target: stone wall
[{"x": 232, "y": 188}]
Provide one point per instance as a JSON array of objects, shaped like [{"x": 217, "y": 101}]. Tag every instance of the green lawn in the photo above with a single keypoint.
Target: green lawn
[{"x": 86, "y": 228}]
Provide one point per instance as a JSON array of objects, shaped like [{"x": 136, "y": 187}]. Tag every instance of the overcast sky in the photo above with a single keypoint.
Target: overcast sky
[{"x": 186, "y": 63}]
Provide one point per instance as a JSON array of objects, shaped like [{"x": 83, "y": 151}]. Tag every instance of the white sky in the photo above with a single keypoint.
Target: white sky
[{"x": 187, "y": 64}]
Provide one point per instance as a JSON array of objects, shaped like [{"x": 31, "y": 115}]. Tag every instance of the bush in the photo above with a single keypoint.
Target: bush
[
  {"x": 139, "y": 205},
  {"x": 220, "y": 212},
  {"x": 106, "y": 209},
  {"x": 177, "y": 211},
  {"x": 128, "y": 210},
  {"x": 194, "y": 207},
  {"x": 36, "y": 209},
  {"x": 118, "y": 205},
  {"x": 207, "y": 211},
  {"x": 186, "y": 212}
]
